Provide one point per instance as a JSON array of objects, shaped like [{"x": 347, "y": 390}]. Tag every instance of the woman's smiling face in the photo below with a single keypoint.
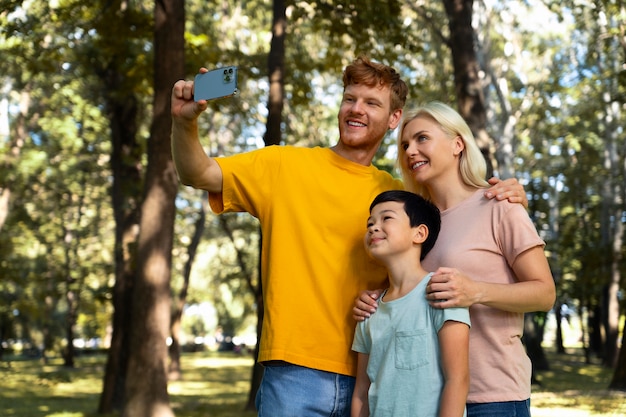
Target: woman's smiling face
[{"x": 427, "y": 149}]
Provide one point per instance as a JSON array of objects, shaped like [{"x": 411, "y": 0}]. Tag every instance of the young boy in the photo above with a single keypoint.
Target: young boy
[{"x": 412, "y": 358}]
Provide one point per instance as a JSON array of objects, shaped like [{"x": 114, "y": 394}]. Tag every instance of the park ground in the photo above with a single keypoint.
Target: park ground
[{"x": 216, "y": 384}]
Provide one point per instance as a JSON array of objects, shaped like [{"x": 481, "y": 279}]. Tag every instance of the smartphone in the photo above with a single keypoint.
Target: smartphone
[{"x": 217, "y": 83}]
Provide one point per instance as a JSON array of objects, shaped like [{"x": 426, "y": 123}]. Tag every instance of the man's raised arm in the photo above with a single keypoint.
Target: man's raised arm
[{"x": 193, "y": 165}]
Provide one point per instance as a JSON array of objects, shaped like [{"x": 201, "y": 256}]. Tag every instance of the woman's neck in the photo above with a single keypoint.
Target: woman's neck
[{"x": 448, "y": 194}]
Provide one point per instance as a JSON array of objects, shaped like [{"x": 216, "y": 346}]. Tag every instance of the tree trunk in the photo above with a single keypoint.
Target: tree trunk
[
  {"x": 276, "y": 74},
  {"x": 559, "y": 328},
  {"x": 613, "y": 191},
  {"x": 71, "y": 298},
  {"x": 612, "y": 239},
  {"x": 112, "y": 398},
  {"x": 257, "y": 369},
  {"x": 619, "y": 377},
  {"x": 533, "y": 336},
  {"x": 17, "y": 140},
  {"x": 273, "y": 134},
  {"x": 151, "y": 295},
  {"x": 613, "y": 315},
  {"x": 467, "y": 79},
  {"x": 618, "y": 381},
  {"x": 175, "y": 370},
  {"x": 595, "y": 330},
  {"x": 70, "y": 324},
  {"x": 126, "y": 157},
  {"x": 74, "y": 278}
]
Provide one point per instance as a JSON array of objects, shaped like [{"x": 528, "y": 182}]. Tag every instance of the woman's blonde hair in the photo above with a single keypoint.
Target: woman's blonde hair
[{"x": 472, "y": 165}]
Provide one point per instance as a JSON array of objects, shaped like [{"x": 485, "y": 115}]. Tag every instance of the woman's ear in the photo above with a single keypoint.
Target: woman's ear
[{"x": 458, "y": 145}]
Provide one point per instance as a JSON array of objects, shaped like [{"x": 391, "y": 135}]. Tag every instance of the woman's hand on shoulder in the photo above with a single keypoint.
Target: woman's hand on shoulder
[{"x": 448, "y": 287}]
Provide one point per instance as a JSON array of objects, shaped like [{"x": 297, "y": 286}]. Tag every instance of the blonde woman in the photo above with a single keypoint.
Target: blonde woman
[{"x": 488, "y": 257}]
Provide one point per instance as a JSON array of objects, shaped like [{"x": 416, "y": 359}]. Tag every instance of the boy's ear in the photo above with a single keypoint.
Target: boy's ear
[{"x": 420, "y": 234}]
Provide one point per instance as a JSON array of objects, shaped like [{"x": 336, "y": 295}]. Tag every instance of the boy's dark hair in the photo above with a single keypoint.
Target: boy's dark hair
[
  {"x": 370, "y": 73},
  {"x": 419, "y": 210}
]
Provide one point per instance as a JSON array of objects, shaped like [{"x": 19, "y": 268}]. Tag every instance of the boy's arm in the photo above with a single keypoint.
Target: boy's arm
[
  {"x": 454, "y": 346},
  {"x": 360, "y": 405}
]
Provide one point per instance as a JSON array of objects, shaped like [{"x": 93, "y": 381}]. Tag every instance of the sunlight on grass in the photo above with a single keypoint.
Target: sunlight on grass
[
  {"x": 213, "y": 385},
  {"x": 66, "y": 415},
  {"x": 573, "y": 388},
  {"x": 217, "y": 385},
  {"x": 579, "y": 404}
]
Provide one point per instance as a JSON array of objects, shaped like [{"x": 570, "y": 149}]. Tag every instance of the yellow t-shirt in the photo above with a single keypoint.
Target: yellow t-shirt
[{"x": 313, "y": 207}]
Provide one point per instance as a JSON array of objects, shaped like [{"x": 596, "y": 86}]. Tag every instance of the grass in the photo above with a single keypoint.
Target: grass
[
  {"x": 216, "y": 385},
  {"x": 574, "y": 389},
  {"x": 213, "y": 385}
]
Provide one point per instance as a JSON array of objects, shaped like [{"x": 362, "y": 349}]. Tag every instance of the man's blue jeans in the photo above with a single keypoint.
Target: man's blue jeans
[
  {"x": 294, "y": 391},
  {"x": 503, "y": 409}
]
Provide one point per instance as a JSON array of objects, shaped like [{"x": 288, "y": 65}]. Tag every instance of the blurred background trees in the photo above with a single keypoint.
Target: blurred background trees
[{"x": 542, "y": 83}]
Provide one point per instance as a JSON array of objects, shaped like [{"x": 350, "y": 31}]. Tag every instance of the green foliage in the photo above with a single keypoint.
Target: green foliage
[
  {"x": 59, "y": 178},
  {"x": 230, "y": 261}
]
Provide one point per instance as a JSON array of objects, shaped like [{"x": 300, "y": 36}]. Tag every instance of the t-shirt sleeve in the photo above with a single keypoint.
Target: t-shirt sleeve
[
  {"x": 360, "y": 343},
  {"x": 242, "y": 187},
  {"x": 516, "y": 232},
  {"x": 440, "y": 316}
]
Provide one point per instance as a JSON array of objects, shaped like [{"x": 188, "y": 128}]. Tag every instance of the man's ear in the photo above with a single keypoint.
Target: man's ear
[
  {"x": 420, "y": 234},
  {"x": 394, "y": 119}
]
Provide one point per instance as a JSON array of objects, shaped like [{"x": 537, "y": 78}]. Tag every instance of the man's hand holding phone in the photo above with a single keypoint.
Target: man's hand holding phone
[
  {"x": 189, "y": 98},
  {"x": 217, "y": 83}
]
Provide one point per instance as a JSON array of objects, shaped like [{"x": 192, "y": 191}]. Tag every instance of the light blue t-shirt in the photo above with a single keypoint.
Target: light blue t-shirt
[{"x": 404, "y": 361}]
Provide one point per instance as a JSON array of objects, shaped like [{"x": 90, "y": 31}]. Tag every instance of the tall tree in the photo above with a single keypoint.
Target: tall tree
[
  {"x": 471, "y": 85},
  {"x": 276, "y": 74},
  {"x": 468, "y": 82},
  {"x": 612, "y": 59},
  {"x": 121, "y": 91},
  {"x": 175, "y": 369},
  {"x": 151, "y": 296},
  {"x": 272, "y": 136}
]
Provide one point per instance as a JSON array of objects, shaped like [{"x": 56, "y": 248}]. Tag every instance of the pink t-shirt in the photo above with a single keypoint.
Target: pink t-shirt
[{"x": 482, "y": 239}]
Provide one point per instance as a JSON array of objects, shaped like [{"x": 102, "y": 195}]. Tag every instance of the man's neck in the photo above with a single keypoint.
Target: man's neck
[{"x": 358, "y": 156}]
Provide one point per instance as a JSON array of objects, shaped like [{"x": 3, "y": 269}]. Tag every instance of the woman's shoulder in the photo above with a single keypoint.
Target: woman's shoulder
[{"x": 483, "y": 206}]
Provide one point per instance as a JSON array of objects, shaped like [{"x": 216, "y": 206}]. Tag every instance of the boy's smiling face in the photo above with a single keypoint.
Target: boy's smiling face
[{"x": 388, "y": 230}]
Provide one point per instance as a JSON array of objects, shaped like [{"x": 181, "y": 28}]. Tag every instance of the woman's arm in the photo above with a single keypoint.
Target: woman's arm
[{"x": 533, "y": 291}]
